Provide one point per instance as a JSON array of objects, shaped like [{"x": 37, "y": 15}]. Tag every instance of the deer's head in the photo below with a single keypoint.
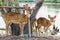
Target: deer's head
[
  {"x": 28, "y": 11},
  {"x": 52, "y": 19}
]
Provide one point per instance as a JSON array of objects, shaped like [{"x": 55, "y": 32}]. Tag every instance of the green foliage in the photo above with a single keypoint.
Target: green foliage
[
  {"x": 51, "y": 0},
  {"x": 5, "y": 3},
  {"x": 2, "y": 3},
  {"x": 58, "y": 0},
  {"x": 26, "y": 0},
  {"x": 12, "y": 2}
]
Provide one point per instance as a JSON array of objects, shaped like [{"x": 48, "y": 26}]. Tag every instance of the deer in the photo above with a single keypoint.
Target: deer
[
  {"x": 18, "y": 18},
  {"x": 38, "y": 23}
]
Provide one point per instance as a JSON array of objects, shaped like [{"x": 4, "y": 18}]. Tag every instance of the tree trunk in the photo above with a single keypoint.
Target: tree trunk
[
  {"x": 37, "y": 7},
  {"x": 15, "y": 30}
]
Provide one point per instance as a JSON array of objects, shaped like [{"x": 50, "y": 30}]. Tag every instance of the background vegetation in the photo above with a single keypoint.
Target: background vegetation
[{"x": 55, "y": 1}]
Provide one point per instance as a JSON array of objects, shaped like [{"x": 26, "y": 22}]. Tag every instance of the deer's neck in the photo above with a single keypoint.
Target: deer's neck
[{"x": 51, "y": 23}]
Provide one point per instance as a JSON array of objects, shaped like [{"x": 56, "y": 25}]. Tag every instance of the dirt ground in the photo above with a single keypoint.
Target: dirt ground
[{"x": 29, "y": 38}]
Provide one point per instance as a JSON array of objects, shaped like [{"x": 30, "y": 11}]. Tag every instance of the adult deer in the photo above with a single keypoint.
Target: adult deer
[
  {"x": 38, "y": 23},
  {"x": 17, "y": 18}
]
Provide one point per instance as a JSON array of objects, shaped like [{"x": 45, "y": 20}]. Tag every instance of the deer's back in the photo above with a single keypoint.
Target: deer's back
[
  {"x": 16, "y": 17},
  {"x": 43, "y": 21}
]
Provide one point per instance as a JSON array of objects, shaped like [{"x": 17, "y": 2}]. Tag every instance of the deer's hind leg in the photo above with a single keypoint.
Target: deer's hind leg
[
  {"x": 7, "y": 26},
  {"x": 39, "y": 31}
]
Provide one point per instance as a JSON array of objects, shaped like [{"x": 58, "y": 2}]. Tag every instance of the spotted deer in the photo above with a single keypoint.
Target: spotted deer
[
  {"x": 17, "y": 18},
  {"x": 38, "y": 23}
]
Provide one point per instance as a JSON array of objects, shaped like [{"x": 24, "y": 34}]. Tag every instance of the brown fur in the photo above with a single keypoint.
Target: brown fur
[
  {"x": 21, "y": 19},
  {"x": 43, "y": 22},
  {"x": 18, "y": 18}
]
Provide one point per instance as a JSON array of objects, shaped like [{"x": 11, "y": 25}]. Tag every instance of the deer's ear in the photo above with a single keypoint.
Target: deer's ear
[
  {"x": 49, "y": 16},
  {"x": 54, "y": 17}
]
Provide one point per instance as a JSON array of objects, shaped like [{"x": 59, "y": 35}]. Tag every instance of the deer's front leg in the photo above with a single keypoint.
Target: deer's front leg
[
  {"x": 21, "y": 29},
  {"x": 46, "y": 28},
  {"x": 7, "y": 26}
]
